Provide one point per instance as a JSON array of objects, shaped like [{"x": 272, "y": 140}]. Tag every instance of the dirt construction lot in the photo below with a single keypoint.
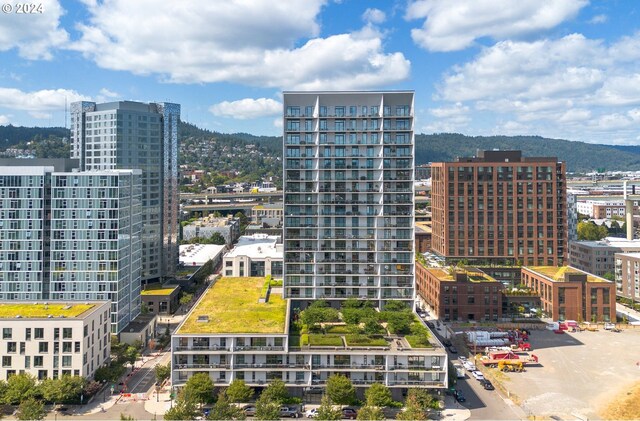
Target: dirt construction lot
[{"x": 579, "y": 375}]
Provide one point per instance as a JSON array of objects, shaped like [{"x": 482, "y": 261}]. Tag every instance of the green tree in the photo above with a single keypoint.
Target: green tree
[
  {"x": 326, "y": 411},
  {"x": 126, "y": 417},
  {"x": 19, "y": 387},
  {"x": 266, "y": 408},
  {"x": 30, "y": 409},
  {"x": 370, "y": 413},
  {"x": 609, "y": 276},
  {"x": 340, "y": 390},
  {"x": 276, "y": 392},
  {"x": 217, "y": 238},
  {"x": 199, "y": 388},
  {"x": 412, "y": 411},
  {"x": 162, "y": 372},
  {"x": 186, "y": 298},
  {"x": 131, "y": 355},
  {"x": 238, "y": 391},
  {"x": 64, "y": 389},
  {"x": 225, "y": 410},
  {"x": 590, "y": 231},
  {"x": 421, "y": 397},
  {"x": 378, "y": 395},
  {"x": 185, "y": 408}
]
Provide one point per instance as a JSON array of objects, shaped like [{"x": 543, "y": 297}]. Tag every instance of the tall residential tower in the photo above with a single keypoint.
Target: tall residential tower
[
  {"x": 348, "y": 195},
  {"x": 134, "y": 135}
]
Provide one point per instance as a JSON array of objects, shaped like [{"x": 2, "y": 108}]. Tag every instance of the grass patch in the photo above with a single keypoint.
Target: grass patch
[
  {"x": 624, "y": 406},
  {"x": 364, "y": 340},
  {"x": 158, "y": 291},
  {"x": 337, "y": 329},
  {"x": 418, "y": 341},
  {"x": 232, "y": 306},
  {"x": 295, "y": 341},
  {"x": 276, "y": 283},
  {"x": 42, "y": 311},
  {"x": 324, "y": 340}
]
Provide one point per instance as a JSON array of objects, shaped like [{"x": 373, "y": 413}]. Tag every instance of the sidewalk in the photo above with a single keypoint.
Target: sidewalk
[
  {"x": 454, "y": 411},
  {"x": 158, "y": 405}
]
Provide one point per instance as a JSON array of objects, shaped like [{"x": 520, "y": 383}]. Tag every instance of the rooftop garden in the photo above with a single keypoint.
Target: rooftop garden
[
  {"x": 232, "y": 305},
  {"x": 158, "y": 290},
  {"x": 30, "y": 310},
  {"x": 357, "y": 324},
  {"x": 461, "y": 273},
  {"x": 557, "y": 273}
]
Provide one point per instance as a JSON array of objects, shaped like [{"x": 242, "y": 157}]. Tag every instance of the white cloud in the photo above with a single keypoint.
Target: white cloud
[
  {"x": 373, "y": 15},
  {"x": 277, "y": 123},
  {"x": 40, "y": 115},
  {"x": 447, "y": 112},
  {"x": 258, "y": 43},
  {"x": 33, "y": 34},
  {"x": 598, "y": 19},
  {"x": 247, "y": 108},
  {"x": 575, "y": 115},
  {"x": 38, "y": 101},
  {"x": 451, "y": 26},
  {"x": 108, "y": 94},
  {"x": 4, "y": 120}
]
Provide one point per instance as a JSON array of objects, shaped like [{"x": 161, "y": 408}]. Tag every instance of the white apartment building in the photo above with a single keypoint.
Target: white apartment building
[
  {"x": 349, "y": 195},
  {"x": 53, "y": 339},
  {"x": 628, "y": 275},
  {"x": 604, "y": 208},
  {"x": 72, "y": 236},
  {"x": 252, "y": 341},
  {"x": 255, "y": 255}
]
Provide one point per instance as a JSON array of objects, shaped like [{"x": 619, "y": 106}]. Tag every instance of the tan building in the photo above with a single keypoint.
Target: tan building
[
  {"x": 500, "y": 207},
  {"x": 628, "y": 275},
  {"x": 423, "y": 236},
  {"x": 53, "y": 339},
  {"x": 270, "y": 214},
  {"x": 567, "y": 293},
  {"x": 467, "y": 294}
]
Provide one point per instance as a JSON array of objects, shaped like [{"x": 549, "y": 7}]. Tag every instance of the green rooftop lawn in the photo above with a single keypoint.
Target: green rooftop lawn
[
  {"x": 318, "y": 339},
  {"x": 365, "y": 340},
  {"x": 30, "y": 311},
  {"x": 557, "y": 273},
  {"x": 418, "y": 341},
  {"x": 232, "y": 307},
  {"x": 159, "y": 291}
]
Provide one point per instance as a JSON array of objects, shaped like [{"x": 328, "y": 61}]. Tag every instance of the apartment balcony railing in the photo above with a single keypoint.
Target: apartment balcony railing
[
  {"x": 200, "y": 366},
  {"x": 258, "y": 348},
  {"x": 201, "y": 348}
]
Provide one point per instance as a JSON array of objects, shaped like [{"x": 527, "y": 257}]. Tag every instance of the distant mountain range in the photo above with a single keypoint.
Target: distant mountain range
[{"x": 579, "y": 156}]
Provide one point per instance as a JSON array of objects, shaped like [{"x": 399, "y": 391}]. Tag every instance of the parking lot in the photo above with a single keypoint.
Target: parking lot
[{"x": 579, "y": 374}]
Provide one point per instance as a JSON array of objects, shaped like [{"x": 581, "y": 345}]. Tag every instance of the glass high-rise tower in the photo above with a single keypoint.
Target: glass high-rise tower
[
  {"x": 134, "y": 135},
  {"x": 349, "y": 195}
]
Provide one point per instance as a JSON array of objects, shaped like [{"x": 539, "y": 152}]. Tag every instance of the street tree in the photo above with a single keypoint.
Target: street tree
[
  {"x": 238, "y": 391},
  {"x": 19, "y": 387},
  {"x": 421, "y": 397},
  {"x": 185, "y": 408},
  {"x": 340, "y": 389},
  {"x": 326, "y": 411},
  {"x": 163, "y": 372},
  {"x": 412, "y": 410},
  {"x": 131, "y": 355},
  {"x": 199, "y": 388},
  {"x": 370, "y": 413},
  {"x": 267, "y": 408},
  {"x": 276, "y": 392},
  {"x": 225, "y": 410},
  {"x": 30, "y": 409},
  {"x": 378, "y": 395}
]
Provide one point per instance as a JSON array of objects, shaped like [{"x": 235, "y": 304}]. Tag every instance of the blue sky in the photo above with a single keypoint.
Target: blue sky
[{"x": 555, "y": 68}]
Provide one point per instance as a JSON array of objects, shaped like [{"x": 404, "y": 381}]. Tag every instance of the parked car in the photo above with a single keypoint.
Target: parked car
[
  {"x": 462, "y": 359},
  {"x": 430, "y": 325},
  {"x": 349, "y": 413},
  {"x": 286, "y": 412},
  {"x": 453, "y": 349},
  {"x": 469, "y": 366},
  {"x": 487, "y": 384},
  {"x": 446, "y": 342},
  {"x": 311, "y": 413},
  {"x": 249, "y": 410},
  {"x": 477, "y": 375},
  {"x": 459, "y": 396}
]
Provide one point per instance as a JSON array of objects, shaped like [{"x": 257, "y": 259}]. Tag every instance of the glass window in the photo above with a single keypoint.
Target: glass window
[
  {"x": 66, "y": 333},
  {"x": 38, "y": 333},
  {"x": 7, "y": 333}
]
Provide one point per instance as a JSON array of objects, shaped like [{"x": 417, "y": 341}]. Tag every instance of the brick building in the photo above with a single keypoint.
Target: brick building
[
  {"x": 468, "y": 294},
  {"x": 500, "y": 207},
  {"x": 569, "y": 293}
]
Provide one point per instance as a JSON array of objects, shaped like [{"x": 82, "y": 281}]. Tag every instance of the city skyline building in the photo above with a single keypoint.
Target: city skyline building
[
  {"x": 500, "y": 207},
  {"x": 135, "y": 135},
  {"x": 73, "y": 236},
  {"x": 348, "y": 195}
]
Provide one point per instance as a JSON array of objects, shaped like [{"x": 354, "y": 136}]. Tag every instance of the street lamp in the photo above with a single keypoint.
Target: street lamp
[{"x": 158, "y": 392}]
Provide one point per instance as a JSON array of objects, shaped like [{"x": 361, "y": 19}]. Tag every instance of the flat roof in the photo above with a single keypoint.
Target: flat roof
[
  {"x": 231, "y": 306},
  {"x": 610, "y": 242},
  {"x": 198, "y": 254},
  {"x": 474, "y": 275},
  {"x": 424, "y": 226},
  {"x": 43, "y": 310},
  {"x": 165, "y": 290},
  {"x": 257, "y": 246},
  {"x": 556, "y": 273}
]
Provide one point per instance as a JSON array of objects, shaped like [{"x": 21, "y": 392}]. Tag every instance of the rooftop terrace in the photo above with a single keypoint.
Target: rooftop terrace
[
  {"x": 160, "y": 291},
  {"x": 557, "y": 274},
  {"x": 472, "y": 275},
  {"x": 231, "y": 306},
  {"x": 42, "y": 310}
]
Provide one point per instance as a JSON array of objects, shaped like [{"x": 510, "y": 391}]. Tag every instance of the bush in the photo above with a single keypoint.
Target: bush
[
  {"x": 340, "y": 390},
  {"x": 238, "y": 391},
  {"x": 364, "y": 340}
]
